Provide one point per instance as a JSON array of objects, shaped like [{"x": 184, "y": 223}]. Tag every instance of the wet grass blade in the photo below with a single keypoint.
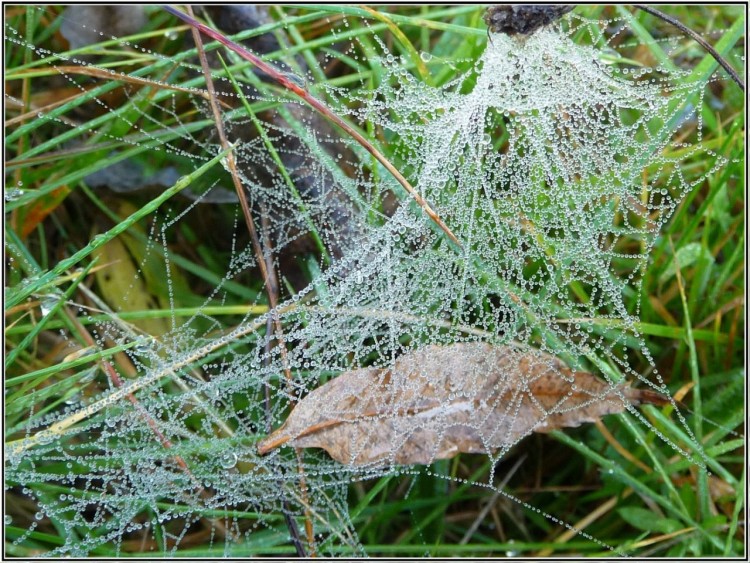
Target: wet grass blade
[{"x": 282, "y": 79}]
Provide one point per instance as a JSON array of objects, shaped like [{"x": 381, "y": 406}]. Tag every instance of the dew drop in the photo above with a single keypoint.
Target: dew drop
[
  {"x": 229, "y": 460},
  {"x": 12, "y": 194},
  {"x": 45, "y": 437},
  {"x": 48, "y": 303},
  {"x": 73, "y": 399}
]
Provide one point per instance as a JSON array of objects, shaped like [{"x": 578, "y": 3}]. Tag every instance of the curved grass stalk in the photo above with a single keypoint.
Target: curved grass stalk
[
  {"x": 697, "y": 38},
  {"x": 61, "y": 427},
  {"x": 283, "y": 80},
  {"x": 15, "y": 297}
]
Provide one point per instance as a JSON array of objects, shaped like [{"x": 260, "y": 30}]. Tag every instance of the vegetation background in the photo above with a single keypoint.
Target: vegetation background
[{"x": 597, "y": 478}]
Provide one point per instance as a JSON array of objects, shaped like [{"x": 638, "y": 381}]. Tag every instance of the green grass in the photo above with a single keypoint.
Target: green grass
[{"x": 640, "y": 489}]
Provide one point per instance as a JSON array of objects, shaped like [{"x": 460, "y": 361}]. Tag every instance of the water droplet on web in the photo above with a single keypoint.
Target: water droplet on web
[
  {"x": 45, "y": 437},
  {"x": 227, "y": 461},
  {"x": 447, "y": 135},
  {"x": 225, "y": 160},
  {"x": 73, "y": 399},
  {"x": 8, "y": 520},
  {"x": 48, "y": 303}
]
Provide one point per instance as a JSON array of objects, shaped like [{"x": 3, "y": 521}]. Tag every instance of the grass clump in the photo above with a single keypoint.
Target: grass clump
[{"x": 137, "y": 328}]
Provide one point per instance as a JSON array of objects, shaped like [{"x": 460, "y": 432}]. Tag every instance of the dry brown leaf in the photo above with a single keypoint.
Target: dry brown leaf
[{"x": 439, "y": 401}]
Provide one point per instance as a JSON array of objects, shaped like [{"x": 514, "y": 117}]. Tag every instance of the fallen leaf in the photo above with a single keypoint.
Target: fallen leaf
[
  {"x": 124, "y": 289},
  {"x": 439, "y": 401}
]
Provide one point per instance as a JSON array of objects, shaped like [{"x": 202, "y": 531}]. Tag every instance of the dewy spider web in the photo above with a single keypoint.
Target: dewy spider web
[{"x": 535, "y": 158}]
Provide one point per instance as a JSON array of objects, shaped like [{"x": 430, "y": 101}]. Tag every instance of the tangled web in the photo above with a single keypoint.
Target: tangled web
[{"x": 551, "y": 166}]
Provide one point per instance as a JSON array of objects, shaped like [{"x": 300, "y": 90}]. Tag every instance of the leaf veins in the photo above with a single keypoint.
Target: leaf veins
[{"x": 439, "y": 401}]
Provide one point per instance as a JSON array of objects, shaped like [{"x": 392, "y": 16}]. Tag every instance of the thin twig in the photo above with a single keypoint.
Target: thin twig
[
  {"x": 266, "y": 387},
  {"x": 146, "y": 416},
  {"x": 264, "y": 263},
  {"x": 273, "y": 291},
  {"x": 591, "y": 517},
  {"x": 697, "y": 38},
  {"x": 287, "y": 83},
  {"x": 293, "y": 531},
  {"x": 117, "y": 381},
  {"x": 104, "y": 75},
  {"x": 290, "y": 523},
  {"x": 231, "y": 163},
  {"x": 483, "y": 514}
]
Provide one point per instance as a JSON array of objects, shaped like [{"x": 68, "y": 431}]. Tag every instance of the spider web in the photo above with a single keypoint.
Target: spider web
[{"x": 535, "y": 159}]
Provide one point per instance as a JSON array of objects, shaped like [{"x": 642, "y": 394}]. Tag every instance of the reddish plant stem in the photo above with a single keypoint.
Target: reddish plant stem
[
  {"x": 319, "y": 106},
  {"x": 117, "y": 380},
  {"x": 143, "y": 412},
  {"x": 265, "y": 264},
  {"x": 697, "y": 38}
]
